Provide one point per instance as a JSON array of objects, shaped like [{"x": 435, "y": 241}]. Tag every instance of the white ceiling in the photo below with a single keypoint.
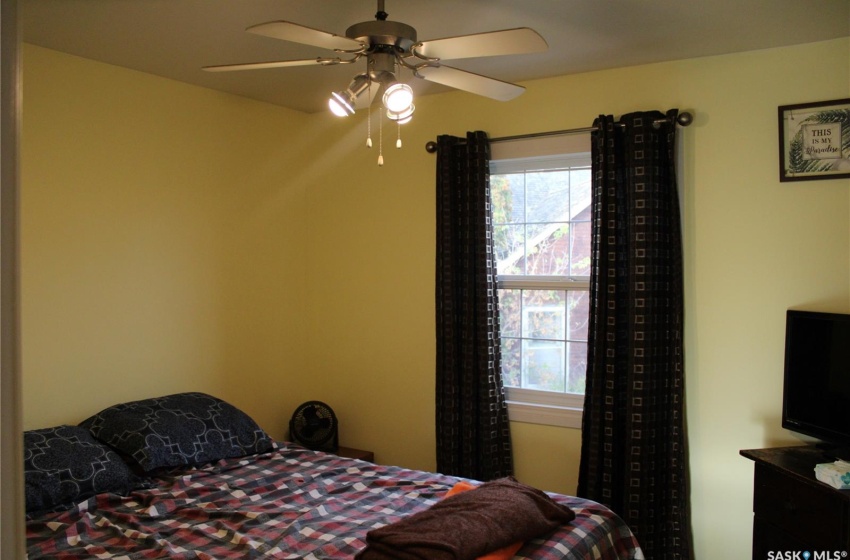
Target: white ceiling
[{"x": 175, "y": 38}]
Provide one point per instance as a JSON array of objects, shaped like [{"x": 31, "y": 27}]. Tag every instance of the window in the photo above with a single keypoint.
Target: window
[{"x": 541, "y": 219}]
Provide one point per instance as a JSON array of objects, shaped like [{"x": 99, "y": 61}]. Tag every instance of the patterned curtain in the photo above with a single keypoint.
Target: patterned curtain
[
  {"x": 633, "y": 456},
  {"x": 473, "y": 434}
]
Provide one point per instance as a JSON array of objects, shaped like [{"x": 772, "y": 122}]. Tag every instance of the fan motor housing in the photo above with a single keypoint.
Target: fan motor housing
[{"x": 392, "y": 33}]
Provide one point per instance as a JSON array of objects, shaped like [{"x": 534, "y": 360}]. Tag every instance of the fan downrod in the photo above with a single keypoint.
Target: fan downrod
[{"x": 381, "y": 14}]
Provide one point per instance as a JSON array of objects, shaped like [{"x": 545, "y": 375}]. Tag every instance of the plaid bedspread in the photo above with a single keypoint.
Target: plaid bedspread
[{"x": 288, "y": 503}]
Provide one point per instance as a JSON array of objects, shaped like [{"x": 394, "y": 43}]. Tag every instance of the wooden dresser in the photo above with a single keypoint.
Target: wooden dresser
[{"x": 792, "y": 510}]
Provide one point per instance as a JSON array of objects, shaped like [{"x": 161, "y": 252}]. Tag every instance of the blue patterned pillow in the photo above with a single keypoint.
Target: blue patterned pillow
[
  {"x": 65, "y": 465},
  {"x": 178, "y": 430}
]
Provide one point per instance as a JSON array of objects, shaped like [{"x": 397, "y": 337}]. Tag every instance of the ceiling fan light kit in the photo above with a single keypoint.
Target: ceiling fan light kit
[
  {"x": 343, "y": 103},
  {"x": 398, "y": 98},
  {"x": 389, "y": 47}
]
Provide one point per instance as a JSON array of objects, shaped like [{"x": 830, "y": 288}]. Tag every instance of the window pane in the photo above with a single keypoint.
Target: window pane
[
  {"x": 580, "y": 189},
  {"x": 547, "y": 196},
  {"x": 543, "y": 365},
  {"x": 549, "y": 249},
  {"x": 580, "y": 249},
  {"x": 511, "y": 362},
  {"x": 577, "y": 353},
  {"x": 577, "y": 314},
  {"x": 509, "y": 244},
  {"x": 510, "y": 312},
  {"x": 543, "y": 314},
  {"x": 508, "y": 196}
]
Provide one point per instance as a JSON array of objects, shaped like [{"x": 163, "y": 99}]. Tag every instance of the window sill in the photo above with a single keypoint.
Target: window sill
[{"x": 546, "y": 415}]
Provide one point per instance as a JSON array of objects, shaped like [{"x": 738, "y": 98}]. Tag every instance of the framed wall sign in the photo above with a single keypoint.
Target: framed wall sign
[{"x": 814, "y": 140}]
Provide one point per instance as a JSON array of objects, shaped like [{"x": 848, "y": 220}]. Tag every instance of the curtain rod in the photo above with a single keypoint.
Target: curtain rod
[{"x": 682, "y": 119}]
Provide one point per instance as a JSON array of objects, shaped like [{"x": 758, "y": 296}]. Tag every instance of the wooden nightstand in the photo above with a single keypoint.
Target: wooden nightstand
[{"x": 352, "y": 453}]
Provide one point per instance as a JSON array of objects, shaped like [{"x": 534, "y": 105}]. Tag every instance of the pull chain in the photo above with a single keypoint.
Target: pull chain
[
  {"x": 369, "y": 120},
  {"x": 381, "y": 139},
  {"x": 398, "y": 124}
]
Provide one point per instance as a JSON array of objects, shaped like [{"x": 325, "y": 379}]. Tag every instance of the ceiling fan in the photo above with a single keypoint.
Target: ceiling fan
[
  {"x": 387, "y": 44},
  {"x": 390, "y": 46}
]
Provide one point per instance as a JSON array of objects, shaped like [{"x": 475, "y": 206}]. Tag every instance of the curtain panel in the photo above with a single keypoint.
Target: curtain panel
[
  {"x": 633, "y": 431},
  {"x": 473, "y": 433}
]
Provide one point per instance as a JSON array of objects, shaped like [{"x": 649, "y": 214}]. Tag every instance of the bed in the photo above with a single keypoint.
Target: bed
[{"x": 260, "y": 499}]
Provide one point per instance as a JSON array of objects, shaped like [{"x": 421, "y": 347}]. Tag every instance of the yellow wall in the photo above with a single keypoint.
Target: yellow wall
[
  {"x": 160, "y": 240},
  {"x": 243, "y": 249}
]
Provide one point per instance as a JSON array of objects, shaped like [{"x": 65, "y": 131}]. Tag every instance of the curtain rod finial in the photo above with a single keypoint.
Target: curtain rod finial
[
  {"x": 431, "y": 147},
  {"x": 682, "y": 119}
]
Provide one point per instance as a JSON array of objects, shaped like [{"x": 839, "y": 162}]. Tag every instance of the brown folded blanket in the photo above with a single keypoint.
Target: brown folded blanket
[{"x": 470, "y": 524}]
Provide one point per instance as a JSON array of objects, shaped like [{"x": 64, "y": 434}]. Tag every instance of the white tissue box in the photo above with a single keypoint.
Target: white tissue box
[{"x": 835, "y": 474}]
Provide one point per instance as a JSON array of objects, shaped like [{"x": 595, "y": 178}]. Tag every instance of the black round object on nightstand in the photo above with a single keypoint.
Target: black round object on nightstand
[{"x": 314, "y": 425}]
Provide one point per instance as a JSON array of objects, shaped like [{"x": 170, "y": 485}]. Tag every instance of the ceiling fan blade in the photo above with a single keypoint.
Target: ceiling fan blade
[
  {"x": 288, "y": 31},
  {"x": 522, "y": 40},
  {"x": 275, "y": 64},
  {"x": 471, "y": 82}
]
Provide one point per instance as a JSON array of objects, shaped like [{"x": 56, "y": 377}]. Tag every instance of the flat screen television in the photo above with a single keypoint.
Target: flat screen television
[{"x": 816, "y": 395}]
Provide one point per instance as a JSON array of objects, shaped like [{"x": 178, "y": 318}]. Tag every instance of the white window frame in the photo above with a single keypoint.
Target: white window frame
[{"x": 531, "y": 405}]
